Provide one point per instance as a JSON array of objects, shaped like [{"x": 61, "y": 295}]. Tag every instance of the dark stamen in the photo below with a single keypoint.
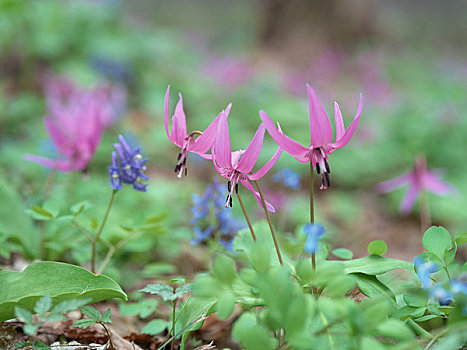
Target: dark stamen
[
  {"x": 177, "y": 168},
  {"x": 186, "y": 171},
  {"x": 328, "y": 180},
  {"x": 236, "y": 188},
  {"x": 230, "y": 202},
  {"x": 179, "y": 156},
  {"x": 327, "y": 166},
  {"x": 228, "y": 186},
  {"x": 318, "y": 169}
]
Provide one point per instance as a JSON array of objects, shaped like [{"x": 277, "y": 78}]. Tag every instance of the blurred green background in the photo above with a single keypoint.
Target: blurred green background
[{"x": 407, "y": 58}]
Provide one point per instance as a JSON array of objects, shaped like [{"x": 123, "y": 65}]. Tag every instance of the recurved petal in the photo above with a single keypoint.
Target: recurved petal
[
  {"x": 61, "y": 165},
  {"x": 437, "y": 186},
  {"x": 341, "y": 142},
  {"x": 221, "y": 148},
  {"x": 409, "y": 199},
  {"x": 166, "y": 112},
  {"x": 397, "y": 182},
  {"x": 204, "y": 142},
  {"x": 265, "y": 169},
  {"x": 251, "y": 154},
  {"x": 179, "y": 123},
  {"x": 320, "y": 126},
  {"x": 290, "y": 146},
  {"x": 248, "y": 185},
  {"x": 340, "y": 128}
]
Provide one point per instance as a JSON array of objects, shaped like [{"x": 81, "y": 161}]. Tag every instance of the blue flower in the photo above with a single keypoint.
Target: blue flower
[
  {"x": 132, "y": 165},
  {"x": 439, "y": 293},
  {"x": 227, "y": 244},
  {"x": 313, "y": 233},
  {"x": 288, "y": 178},
  {"x": 200, "y": 235},
  {"x": 424, "y": 271},
  {"x": 458, "y": 286}
]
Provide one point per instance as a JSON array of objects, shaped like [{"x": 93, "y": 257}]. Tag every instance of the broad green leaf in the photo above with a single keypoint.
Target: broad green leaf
[
  {"x": 437, "y": 240},
  {"x": 190, "y": 317},
  {"x": 252, "y": 335},
  {"x": 43, "y": 305},
  {"x": 225, "y": 305},
  {"x": 460, "y": 238},
  {"x": 39, "y": 213},
  {"x": 78, "y": 208},
  {"x": 91, "y": 312},
  {"x": 15, "y": 223},
  {"x": 143, "y": 308},
  {"x": 377, "y": 247},
  {"x": 163, "y": 290},
  {"x": 69, "y": 305},
  {"x": 342, "y": 253},
  {"x": 416, "y": 300},
  {"x": 394, "y": 329},
  {"x": 373, "y": 265},
  {"x": 52, "y": 207},
  {"x": 154, "y": 327},
  {"x": 180, "y": 291},
  {"x": 31, "y": 329},
  {"x": 224, "y": 269},
  {"x": 206, "y": 286},
  {"x": 84, "y": 323},
  {"x": 371, "y": 286},
  {"x": 425, "y": 318},
  {"x": 61, "y": 281}
]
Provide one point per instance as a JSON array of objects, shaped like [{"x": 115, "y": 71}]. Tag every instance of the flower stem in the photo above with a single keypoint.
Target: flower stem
[
  {"x": 174, "y": 306},
  {"x": 270, "y": 223},
  {"x": 98, "y": 233},
  {"x": 425, "y": 215},
  {"x": 246, "y": 217},
  {"x": 47, "y": 191},
  {"x": 312, "y": 209}
]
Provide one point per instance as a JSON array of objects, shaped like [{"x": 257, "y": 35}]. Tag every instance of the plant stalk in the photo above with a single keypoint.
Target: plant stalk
[
  {"x": 246, "y": 217},
  {"x": 425, "y": 214},
  {"x": 98, "y": 233},
  {"x": 276, "y": 245},
  {"x": 173, "y": 323},
  {"x": 312, "y": 209}
]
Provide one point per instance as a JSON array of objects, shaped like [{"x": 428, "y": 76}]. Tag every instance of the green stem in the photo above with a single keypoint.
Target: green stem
[
  {"x": 47, "y": 191},
  {"x": 425, "y": 215},
  {"x": 246, "y": 217},
  {"x": 173, "y": 324},
  {"x": 98, "y": 233},
  {"x": 312, "y": 210},
  {"x": 418, "y": 329},
  {"x": 270, "y": 223}
]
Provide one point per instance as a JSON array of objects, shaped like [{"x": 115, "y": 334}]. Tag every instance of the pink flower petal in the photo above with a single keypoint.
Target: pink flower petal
[
  {"x": 390, "y": 185},
  {"x": 340, "y": 129},
  {"x": 320, "y": 127},
  {"x": 59, "y": 138},
  {"x": 341, "y": 142},
  {"x": 221, "y": 148},
  {"x": 251, "y": 154},
  {"x": 179, "y": 123},
  {"x": 166, "y": 112},
  {"x": 409, "y": 199},
  {"x": 435, "y": 185},
  {"x": 290, "y": 146},
  {"x": 61, "y": 165},
  {"x": 205, "y": 141},
  {"x": 263, "y": 171},
  {"x": 248, "y": 185}
]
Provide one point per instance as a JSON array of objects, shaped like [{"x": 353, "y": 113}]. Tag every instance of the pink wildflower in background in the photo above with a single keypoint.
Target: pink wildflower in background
[
  {"x": 229, "y": 71},
  {"x": 418, "y": 180},
  {"x": 320, "y": 133}
]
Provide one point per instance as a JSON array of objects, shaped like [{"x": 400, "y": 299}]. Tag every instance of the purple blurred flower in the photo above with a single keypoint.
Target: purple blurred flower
[
  {"x": 229, "y": 71},
  {"x": 418, "y": 179},
  {"x": 288, "y": 178},
  {"x": 313, "y": 233},
  {"x": 130, "y": 168},
  {"x": 200, "y": 235},
  {"x": 320, "y": 133},
  {"x": 424, "y": 271}
]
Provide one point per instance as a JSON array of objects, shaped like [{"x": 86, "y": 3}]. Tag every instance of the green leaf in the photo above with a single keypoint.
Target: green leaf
[
  {"x": 416, "y": 299},
  {"x": 61, "y": 281},
  {"x": 252, "y": 335},
  {"x": 225, "y": 305},
  {"x": 142, "y": 309},
  {"x": 394, "y": 329},
  {"x": 40, "y": 213},
  {"x": 31, "y": 329},
  {"x": 163, "y": 290},
  {"x": 43, "y": 305},
  {"x": 157, "y": 269},
  {"x": 460, "y": 238},
  {"x": 371, "y": 286},
  {"x": 425, "y": 318},
  {"x": 85, "y": 323},
  {"x": 106, "y": 316},
  {"x": 23, "y": 314},
  {"x": 52, "y": 207},
  {"x": 68, "y": 305},
  {"x": 343, "y": 253},
  {"x": 377, "y": 247},
  {"x": 437, "y": 240},
  {"x": 224, "y": 269},
  {"x": 373, "y": 265},
  {"x": 91, "y": 312},
  {"x": 154, "y": 327},
  {"x": 180, "y": 291},
  {"x": 78, "y": 208}
]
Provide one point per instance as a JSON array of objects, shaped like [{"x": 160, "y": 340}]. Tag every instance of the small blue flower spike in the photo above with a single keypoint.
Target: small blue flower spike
[
  {"x": 424, "y": 271},
  {"x": 132, "y": 165},
  {"x": 288, "y": 178},
  {"x": 313, "y": 233},
  {"x": 200, "y": 235}
]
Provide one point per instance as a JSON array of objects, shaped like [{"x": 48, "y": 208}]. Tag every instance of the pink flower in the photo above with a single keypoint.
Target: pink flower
[
  {"x": 320, "y": 133},
  {"x": 187, "y": 142},
  {"x": 237, "y": 166},
  {"x": 418, "y": 179},
  {"x": 74, "y": 125}
]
